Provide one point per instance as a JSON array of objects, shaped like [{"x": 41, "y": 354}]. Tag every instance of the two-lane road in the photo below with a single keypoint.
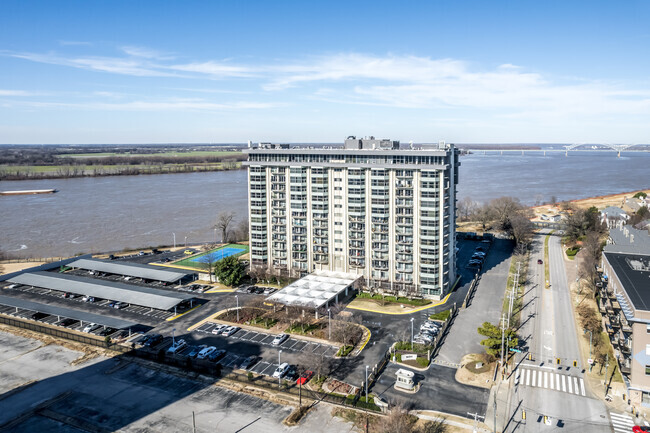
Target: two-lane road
[{"x": 539, "y": 386}]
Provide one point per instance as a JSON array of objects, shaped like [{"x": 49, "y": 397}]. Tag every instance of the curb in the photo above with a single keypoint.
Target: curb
[
  {"x": 415, "y": 310},
  {"x": 182, "y": 314}
]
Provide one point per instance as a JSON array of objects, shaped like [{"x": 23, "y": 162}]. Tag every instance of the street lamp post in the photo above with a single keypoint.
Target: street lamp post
[
  {"x": 279, "y": 353},
  {"x": 412, "y": 318},
  {"x": 366, "y": 384},
  {"x": 215, "y": 236},
  {"x": 185, "y": 241},
  {"x": 329, "y": 324},
  {"x": 237, "y": 299},
  {"x": 174, "y": 239},
  {"x": 590, "y": 337}
]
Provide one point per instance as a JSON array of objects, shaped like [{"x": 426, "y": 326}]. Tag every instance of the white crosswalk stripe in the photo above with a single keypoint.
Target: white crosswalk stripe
[
  {"x": 621, "y": 422},
  {"x": 550, "y": 380}
]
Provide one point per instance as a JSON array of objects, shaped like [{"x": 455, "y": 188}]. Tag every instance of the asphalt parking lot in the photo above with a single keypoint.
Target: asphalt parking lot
[
  {"x": 116, "y": 395},
  {"x": 245, "y": 343}
]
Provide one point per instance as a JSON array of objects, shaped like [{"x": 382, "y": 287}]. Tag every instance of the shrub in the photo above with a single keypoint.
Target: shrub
[
  {"x": 250, "y": 376},
  {"x": 422, "y": 362},
  {"x": 443, "y": 315},
  {"x": 344, "y": 351},
  {"x": 571, "y": 252}
]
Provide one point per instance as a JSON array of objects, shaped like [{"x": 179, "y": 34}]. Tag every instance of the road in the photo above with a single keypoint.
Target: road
[{"x": 540, "y": 386}]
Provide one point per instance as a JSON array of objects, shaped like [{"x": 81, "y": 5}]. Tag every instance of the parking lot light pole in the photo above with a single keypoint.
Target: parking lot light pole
[
  {"x": 329, "y": 324},
  {"x": 366, "y": 384},
  {"x": 174, "y": 239},
  {"x": 185, "y": 241},
  {"x": 412, "y": 318},
  {"x": 237, "y": 299},
  {"x": 279, "y": 378}
]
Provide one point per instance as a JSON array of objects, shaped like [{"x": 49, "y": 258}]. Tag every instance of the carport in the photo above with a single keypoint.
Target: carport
[
  {"x": 134, "y": 270},
  {"x": 69, "y": 313},
  {"x": 316, "y": 290},
  {"x": 130, "y": 294}
]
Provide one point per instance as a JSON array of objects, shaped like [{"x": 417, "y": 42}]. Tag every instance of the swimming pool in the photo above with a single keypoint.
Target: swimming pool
[{"x": 218, "y": 254}]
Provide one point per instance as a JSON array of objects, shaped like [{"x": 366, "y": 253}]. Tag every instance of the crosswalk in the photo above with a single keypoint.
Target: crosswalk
[
  {"x": 550, "y": 380},
  {"x": 621, "y": 423}
]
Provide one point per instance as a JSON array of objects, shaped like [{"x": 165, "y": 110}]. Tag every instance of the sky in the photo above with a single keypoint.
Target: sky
[{"x": 80, "y": 72}]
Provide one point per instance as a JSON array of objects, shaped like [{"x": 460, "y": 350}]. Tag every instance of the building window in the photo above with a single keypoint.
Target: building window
[
  {"x": 647, "y": 349},
  {"x": 647, "y": 329},
  {"x": 647, "y": 370}
]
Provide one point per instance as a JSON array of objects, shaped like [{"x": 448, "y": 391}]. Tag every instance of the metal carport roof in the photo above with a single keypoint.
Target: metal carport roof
[
  {"x": 314, "y": 290},
  {"x": 130, "y": 269},
  {"x": 53, "y": 310},
  {"x": 131, "y": 294}
]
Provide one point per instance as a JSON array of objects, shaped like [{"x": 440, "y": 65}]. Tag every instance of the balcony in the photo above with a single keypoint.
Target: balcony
[
  {"x": 401, "y": 184},
  {"x": 321, "y": 259},
  {"x": 380, "y": 266},
  {"x": 279, "y": 255},
  {"x": 299, "y": 231},
  {"x": 376, "y": 255},
  {"x": 404, "y": 230},
  {"x": 279, "y": 229},
  {"x": 379, "y": 228},
  {"x": 356, "y": 263},
  {"x": 400, "y": 258},
  {"x": 380, "y": 247},
  {"x": 405, "y": 241},
  {"x": 380, "y": 220},
  {"x": 278, "y": 212}
]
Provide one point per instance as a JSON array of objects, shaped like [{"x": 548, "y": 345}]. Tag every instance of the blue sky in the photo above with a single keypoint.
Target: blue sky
[{"x": 312, "y": 71}]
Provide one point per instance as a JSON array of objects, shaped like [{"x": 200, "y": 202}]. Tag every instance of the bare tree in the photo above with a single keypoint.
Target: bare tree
[
  {"x": 208, "y": 262},
  {"x": 242, "y": 230},
  {"x": 345, "y": 329},
  {"x": 223, "y": 222},
  {"x": 398, "y": 421}
]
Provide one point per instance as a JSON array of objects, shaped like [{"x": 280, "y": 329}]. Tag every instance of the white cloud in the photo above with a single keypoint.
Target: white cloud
[
  {"x": 6, "y": 92},
  {"x": 146, "y": 53},
  {"x": 214, "y": 69}
]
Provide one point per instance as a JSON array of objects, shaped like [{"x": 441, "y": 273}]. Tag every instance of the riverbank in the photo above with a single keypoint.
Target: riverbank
[{"x": 41, "y": 172}]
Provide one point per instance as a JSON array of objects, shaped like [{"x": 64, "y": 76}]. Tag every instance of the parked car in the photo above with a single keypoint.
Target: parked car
[
  {"x": 292, "y": 373},
  {"x": 66, "y": 322},
  {"x": 540, "y": 262},
  {"x": 304, "y": 378},
  {"x": 153, "y": 340},
  {"x": 141, "y": 340},
  {"x": 88, "y": 299},
  {"x": 217, "y": 355},
  {"x": 177, "y": 347},
  {"x": 38, "y": 316},
  {"x": 206, "y": 352},
  {"x": 249, "y": 362},
  {"x": 219, "y": 328},
  {"x": 281, "y": 370},
  {"x": 279, "y": 339},
  {"x": 258, "y": 290},
  {"x": 424, "y": 337},
  {"x": 120, "y": 305},
  {"x": 90, "y": 327},
  {"x": 269, "y": 290},
  {"x": 640, "y": 429},
  {"x": 106, "y": 331},
  {"x": 188, "y": 252},
  {"x": 230, "y": 330},
  {"x": 430, "y": 325},
  {"x": 194, "y": 350}
]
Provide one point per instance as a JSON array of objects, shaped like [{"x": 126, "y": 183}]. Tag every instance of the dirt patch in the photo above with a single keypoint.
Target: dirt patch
[
  {"x": 8, "y": 268},
  {"x": 471, "y": 374},
  {"x": 294, "y": 417}
]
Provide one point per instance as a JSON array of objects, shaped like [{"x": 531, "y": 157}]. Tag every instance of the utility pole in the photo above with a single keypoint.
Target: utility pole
[
  {"x": 503, "y": 337},
  {"x": 193, "y": 422}
]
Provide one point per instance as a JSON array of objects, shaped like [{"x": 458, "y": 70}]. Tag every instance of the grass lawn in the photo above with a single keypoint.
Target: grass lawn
[
  {"x": 394, "y": 300},
  {"x": 190, "y": 263},
  {"x": 443, "y": 315}
]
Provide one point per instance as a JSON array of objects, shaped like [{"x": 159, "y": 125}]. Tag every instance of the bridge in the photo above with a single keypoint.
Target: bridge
[
  {"x": 600, "y": 147},
  {"x": 616, "y": 147}
]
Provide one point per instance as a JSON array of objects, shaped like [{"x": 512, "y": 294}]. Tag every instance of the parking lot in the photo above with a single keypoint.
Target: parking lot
[{"x": 143, "y": 311}]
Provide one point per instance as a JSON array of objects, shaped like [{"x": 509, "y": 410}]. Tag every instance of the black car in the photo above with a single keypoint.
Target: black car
[
  {"x": 38, "y": 316},
  {"x": 249, "y": 362},
  {"x": 153, "y": 340},
  {"x": 258, "y": 290},
  {"x": 106, "y": 331},
  {"x": 292, "y": 373},
  {"x": 67, "y": 322}
]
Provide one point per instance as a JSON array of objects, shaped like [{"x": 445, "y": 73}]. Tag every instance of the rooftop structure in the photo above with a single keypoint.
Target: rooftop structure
[
  {"x": 627, "y": 239},
  {"x": 366, "y": 208},
  {"x": 136, "y": 295},
  {"x": 146, "y": 272},
  {"x": 315, "y": 290},
  {"x": 70, "y": 313}
]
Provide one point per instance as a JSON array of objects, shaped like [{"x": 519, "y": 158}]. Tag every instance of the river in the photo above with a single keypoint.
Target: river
[{"x": 131, "y": 212}]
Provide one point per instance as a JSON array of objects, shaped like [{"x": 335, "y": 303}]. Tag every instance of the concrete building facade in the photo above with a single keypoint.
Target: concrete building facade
[
  {"x": 367, "y": 208},
  {"x": 625, "y": 304}
]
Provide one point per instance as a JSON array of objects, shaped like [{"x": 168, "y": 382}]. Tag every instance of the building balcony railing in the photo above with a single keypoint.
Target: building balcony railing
[
  {"x": 357, "y": 263},
  {"x": 383, "y": 266},
  {"x": 380, "y": 220},
  {"x": 405, "y": 241},
  {"x": 321, "y": 260},
  {"x": 404, "y": 259}
]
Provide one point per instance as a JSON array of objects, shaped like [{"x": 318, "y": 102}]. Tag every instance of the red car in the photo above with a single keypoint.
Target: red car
[
  {"x": 304, "y": 378},
  {"x": 640, "y": 429}
]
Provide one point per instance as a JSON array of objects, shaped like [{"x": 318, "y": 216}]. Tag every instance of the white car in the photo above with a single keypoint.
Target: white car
[
  {"x": 433, "y": 329},
  {"x": 90, "y": 327},
  {"x": 206, "y": 352},
  {"x": 281, "y": 370},
  {"x": 230, "y": 330},
  {"x": 279, "y": 339},
  {"x": 175, "y": 348},
  {"x": 219, "y": 328}
]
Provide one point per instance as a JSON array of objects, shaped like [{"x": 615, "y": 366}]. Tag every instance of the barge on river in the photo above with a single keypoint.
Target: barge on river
[{"x": 29, "y": 191}]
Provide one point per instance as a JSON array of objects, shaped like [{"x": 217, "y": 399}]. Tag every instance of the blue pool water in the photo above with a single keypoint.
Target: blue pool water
[{"x": 219, "y": 254}]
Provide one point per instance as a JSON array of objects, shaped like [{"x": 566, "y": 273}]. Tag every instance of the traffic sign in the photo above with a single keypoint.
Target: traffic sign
[
  {"x": 512, "y": 349},
  {"x": 590, "y": 361}
]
